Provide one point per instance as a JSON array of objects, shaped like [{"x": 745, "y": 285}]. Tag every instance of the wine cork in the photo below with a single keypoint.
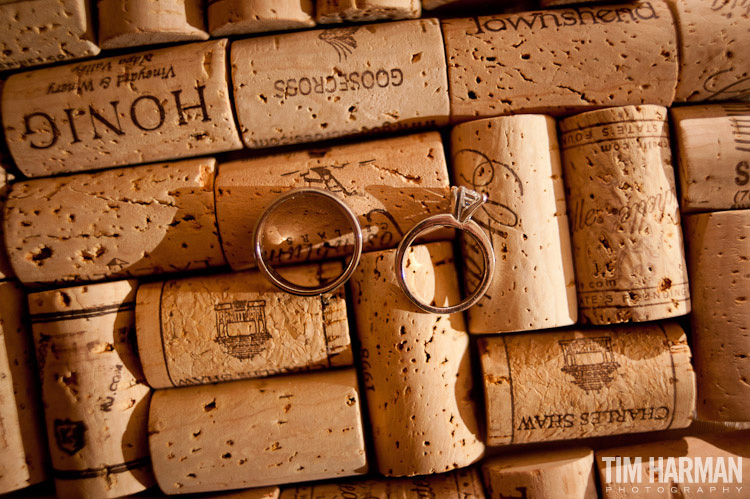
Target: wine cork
[
  {"x": 561, "y": 61},
  {"x": 515, "y": 160},
  {"x": 586, "y": 382},
  {"x": 243, "y": 325},
  {"x": 316, "y": 85},
  {"x": 714, "y": 59},
  {"x": 627, "y": 240},
  {"x": 135, "y": 108},
  {"x": 34, "y": 32},
  {"x": 713, "y": 156},
  {"x": 300, "y": 428},
  {"x": 339, "y": 11},
  {"x": 127, "y": 222},
  {"x": 6, "y": 178},
  {"x": 23, "y": 453},
  {"x": 463, "y": 483},
  {"x": 132, "y": 23},
  {"x": 719, "y": 262},
  {"x": 417, "y": 372},
  {"x": 464, "y": 4},
  {"x": 566, "y": 472},
  {"x": 256, "y": 493},
  {"x": 390, "y": 185},
  {"x": 95, "y": 402},
  {"x": 237, "y": 17}
]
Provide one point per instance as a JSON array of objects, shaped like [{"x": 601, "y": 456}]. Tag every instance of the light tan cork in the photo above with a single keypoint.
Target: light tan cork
[
  {"x": 719, "y": 262},
  {"x": 301, "y": 427},
  {"x": 561, "y": 61},
  {"x": 315, "y": 85},
  {"x": 338, "y": 11},
  {"x": 548, "y": 473},
  {"x": 243, "y": 325},
  {"x": 118, "y": 223},
  {"x": 583, "y": 383},
  {"x": 416, "y": 365},
  {"x": 132, "y": 23},
  {"x": 390, "y": 185},
  {"x": 256, "y": 493},
  {"x": 23, "y": 452},
  {"x": 95, "y": 400},
  {"x": 135, "y": 108},
  {"x": 35, "y": 32},
  {"x": 6, "y": 178},
  {"x": 464, "y": 484},
  {"x": 713, "y": 40},
  {"x": 627, "y": 240},
  {"x": 515, "y": 160},
  {"x": 464, "y": 4},
  {"x": 713, "y": 144},
  {"x": 662, "y": 479},
  {"x": 237, "y": 17}
]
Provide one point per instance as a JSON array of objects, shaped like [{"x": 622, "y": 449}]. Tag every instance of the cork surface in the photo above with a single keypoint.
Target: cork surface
[
  {"x": 127, "y": 222},
  {"x": 416, "y": 365},
  {"x": 237, "y": 17},
  {"x": 34, "y": 32},
  {"x": 389, "y": 184},
  {"x": 23, "y": 453},
  {"x": 719, "y": 263},
  {"x": 561, "y": 61},
  {"x": 134, "y": 108},
  {"x": 561, "y": 385},
  {"x": 337, "y": 11},
  {"x": 242, "y": 325},
  {"x": 6, "y": 178},
  {"x": 515, "y": 160},
  {"x": 627, "y": 240},
  {"x": 301, "y": 428},
  {"x": 558, "y": 473},
  {"x": 95, "y": 400},
  {"x": 255, "y": 493},
  {"x": 714, "y": 156},
  {"x": 131, "y": 23},
  {"x": 315, "y": 85}
]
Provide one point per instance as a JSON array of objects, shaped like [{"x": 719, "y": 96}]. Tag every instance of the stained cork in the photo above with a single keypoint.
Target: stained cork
[
  {"x": 136, "y": 108},
  {"x": 23, "y": 449},
  {"x": 338, "y": 11},
  {"x": 132, "y": 23},
  {"x": 6, "y": 178},
  {"x": 126, "y": 222},
  {"x": 713, "y": 156},
  {"x": 627, "y": 239},
  {"x": 95, "y": 400},
  {"x": 44, "y": 31},
  {"x": 719, "y": 263},
  {"x": 579, "y": 383},
  {"x": 561, "y": 61},
  {"x": 237, "y": 17},
  {"x": 389, "y": 184},
  {"x": 515, "y": 160},
  {"x": 300, "y": 428},
  {"x": 566, "y": 472},
  {"x": 316, "y": 85},
  {"x": 243, "y": 325},
  {"x": 417, "y": 372}
]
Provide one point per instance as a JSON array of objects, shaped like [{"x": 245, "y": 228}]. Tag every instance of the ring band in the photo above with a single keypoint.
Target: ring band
[
  {"x": 465, "y": 202},
  {"x": 287, "y": 285}
]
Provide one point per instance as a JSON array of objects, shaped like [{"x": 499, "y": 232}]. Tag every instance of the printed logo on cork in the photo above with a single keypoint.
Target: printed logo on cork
[
  {"x": 590, "y": 361},
  {"x": 241, "y": 328},
  {"x": 341, "y": 39}
]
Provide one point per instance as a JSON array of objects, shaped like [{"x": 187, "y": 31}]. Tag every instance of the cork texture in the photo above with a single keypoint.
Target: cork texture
[
  {"x": 132, "y": 23},
  {"x": 135, "y": 108},
  {"x": 713, "y": 156},
  {"x": 127, "y": 222},
  {"x": 584, "y": 383},
  {"x": 390, "y": 185},
  {"x": 416, "y": 366},
  {"x": 301, "y": 428},
  {"x": 237, "y": 17},
  {"x": 561, "y": 61},
  {"x": 515, "y": 160},
  {"x": 256, "y": 493},
  {"x": 719, "y": 263},
  {"x": 627, "y": 239},
  {"x": 315, "y": 85},
  {"x": 242, "y": 324},
  {"x": 338, "y": 11},
  {"x": 6, "y": 178},
  {"x": 95, "y": 400},
  {"x": 34, "y": 32}
]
